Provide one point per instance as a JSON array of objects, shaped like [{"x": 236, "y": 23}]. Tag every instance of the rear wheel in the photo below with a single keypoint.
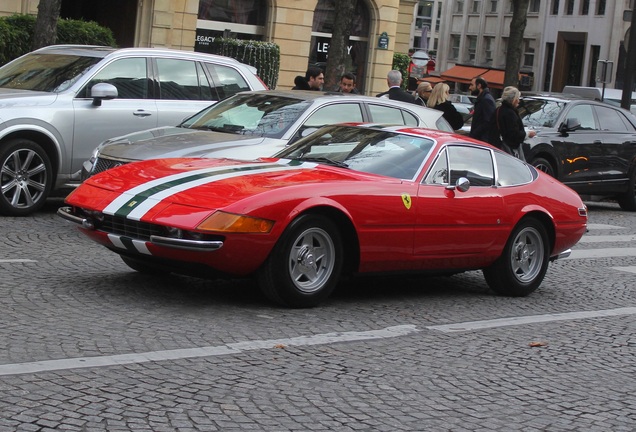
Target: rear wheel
[
  {"x": 627, "y": 201},
  {"x": 304, "y": 267},
  {"x": 26, "y": 177},
  {"x": 544, "y": 165},
  {"x": 522, "y": 266}
]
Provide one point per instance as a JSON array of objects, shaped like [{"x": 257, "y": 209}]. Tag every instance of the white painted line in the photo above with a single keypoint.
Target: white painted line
[
  {"x": 603, "y": 226},
  {"x": 233, "y": 348},
  {"x": 17, "y": 261},
  {"x": 532, "y": 319},
  {"x": 631, "y": 269},
  {"x": 607, "y": 238},
  {"x": 601, "y": 253}
]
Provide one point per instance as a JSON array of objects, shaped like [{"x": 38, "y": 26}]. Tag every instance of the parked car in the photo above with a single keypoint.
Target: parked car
[
  {"x": 344, "y": 200},
  {"x": 586, "y": 144},
  {"x": 467, "y": 100},
  {"x": 58, "y": 103},
  {"x": 253, "y": 124}
]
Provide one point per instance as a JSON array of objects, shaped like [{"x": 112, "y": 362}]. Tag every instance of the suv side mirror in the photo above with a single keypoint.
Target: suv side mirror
[
  {"x": 103, "y": 91},
  {"x": 569, "y": 125}
]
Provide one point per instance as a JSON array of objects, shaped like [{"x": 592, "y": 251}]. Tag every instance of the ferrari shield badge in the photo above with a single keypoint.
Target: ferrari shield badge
[{"x": 406, "y": 199}]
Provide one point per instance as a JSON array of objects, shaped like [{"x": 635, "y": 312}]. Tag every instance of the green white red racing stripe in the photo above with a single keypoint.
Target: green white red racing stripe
[{"x": 136, "y": 202}]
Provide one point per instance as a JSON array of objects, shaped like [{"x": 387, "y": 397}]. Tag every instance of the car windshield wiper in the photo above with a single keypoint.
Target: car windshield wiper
[
  {"x": 228, "y": 128},
  {"x": 327, "y": 161}
]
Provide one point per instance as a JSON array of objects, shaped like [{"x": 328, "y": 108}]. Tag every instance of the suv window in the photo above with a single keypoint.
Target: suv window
[
  {"x": 128, "y": 75},
  {"x": 178, "y": 79},
  {"x": 585, "y": 115},
  {"x": 226, "y": 81},
  {"x": 389, "y": 115},
  {"x": 610, "y": 120},
  {"x": 332, "y": 114}
]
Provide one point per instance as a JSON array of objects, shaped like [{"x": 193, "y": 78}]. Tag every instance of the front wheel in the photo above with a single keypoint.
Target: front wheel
[
  {"x": 544, "y": 165},
  {"x": 26, "y": 177},
  {"x": 627, "y": 200},
  {"x": 522, "y": 266},
  {"x": 304, "y": 266}
]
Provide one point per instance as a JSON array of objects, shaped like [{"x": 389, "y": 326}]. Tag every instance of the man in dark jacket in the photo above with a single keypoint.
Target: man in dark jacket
[
  {"x": 483, "y": 109},
  {"x": 395, "y": 92},
  {"x": 313, "y": 79}
]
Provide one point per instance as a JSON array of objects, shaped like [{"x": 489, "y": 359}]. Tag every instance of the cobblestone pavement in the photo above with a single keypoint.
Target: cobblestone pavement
[{"x": 89, "y": 345}]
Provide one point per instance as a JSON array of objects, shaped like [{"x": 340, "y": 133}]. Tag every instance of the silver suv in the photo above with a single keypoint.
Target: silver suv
[{"x": 58, "y": 103}]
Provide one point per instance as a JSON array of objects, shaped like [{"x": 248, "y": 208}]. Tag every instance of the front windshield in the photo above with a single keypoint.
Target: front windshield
[
  {"x": 540, "y": 112},
  {"x": 263, "y": 115},
  {"x": 45, "y": 72},
  {"x": 362, "y": 149}
]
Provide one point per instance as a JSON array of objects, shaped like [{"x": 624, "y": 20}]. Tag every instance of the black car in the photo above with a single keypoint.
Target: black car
[{"x": 588, "y": 145}]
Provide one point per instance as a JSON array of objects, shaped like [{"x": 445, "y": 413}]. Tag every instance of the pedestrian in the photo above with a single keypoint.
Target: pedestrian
[
  {"x": 483, "y": 109},
  {"x": 423, "y": 92},
  {"x": 395, "y": 92},
  {"x": 439, "y": 101},
  {"x": 508, "y": 130},
  {"x": 313, "y": 79},
  {"x": 348, "y": 84}
]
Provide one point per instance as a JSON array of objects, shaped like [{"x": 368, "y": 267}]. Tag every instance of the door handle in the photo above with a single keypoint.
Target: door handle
[{"x": 142, "y": 113}]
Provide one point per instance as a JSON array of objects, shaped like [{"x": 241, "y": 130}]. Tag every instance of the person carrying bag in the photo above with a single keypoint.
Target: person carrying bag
[{"x": 508, "y": 130}]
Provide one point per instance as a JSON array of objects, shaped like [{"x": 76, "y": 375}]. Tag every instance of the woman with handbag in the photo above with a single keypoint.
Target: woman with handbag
[{"x": 509, "y": 127}]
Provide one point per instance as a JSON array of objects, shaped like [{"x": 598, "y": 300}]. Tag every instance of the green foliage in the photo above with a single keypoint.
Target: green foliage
[
  {"x": 16, "y": 34},
  {"x": 401, "y": 62},
  {"x": 264, "y": 56}
]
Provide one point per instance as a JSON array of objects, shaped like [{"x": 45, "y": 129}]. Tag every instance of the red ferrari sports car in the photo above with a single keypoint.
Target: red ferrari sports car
[{"x": 348, "y": 199}]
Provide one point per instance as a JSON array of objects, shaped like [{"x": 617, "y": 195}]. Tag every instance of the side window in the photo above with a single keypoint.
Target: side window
[
  {"x": 439, "y": 171},
  {"x": 511, "y": 171},
  {"x": 337, "y": 113},
  {"x": 473, "y": 163},
  {"x": 610, "y": 120},
  {"x": 128, "y": 75},
  {"x": 584, "y": 114},
  {"x": 178, "y": 79},
  {"x": 226, "y": 80},
  {"x": 386, "y": 115}
]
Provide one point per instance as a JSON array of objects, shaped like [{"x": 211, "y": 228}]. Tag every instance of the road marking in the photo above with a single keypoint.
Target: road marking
[
  {"x": 601, "y": 253},
  {"x": 17, "y": 261},
  {"x": 607, "y": 238},
  {"x": 631, "y": 269},
  {"x": 603, "y": 226},
  {"x": 531, "y": 319},
  {"x": 210, "y": 351}
]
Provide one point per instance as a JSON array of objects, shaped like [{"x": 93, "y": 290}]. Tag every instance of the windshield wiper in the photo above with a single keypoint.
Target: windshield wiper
[
  {"x": 327, "y": 161},
  {"x": 227, "y": 128}
]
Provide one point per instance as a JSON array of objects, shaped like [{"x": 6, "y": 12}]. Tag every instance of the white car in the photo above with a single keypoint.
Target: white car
[
  {"x": 59, "y": 102},
  {"x": 258, "y": 124}
]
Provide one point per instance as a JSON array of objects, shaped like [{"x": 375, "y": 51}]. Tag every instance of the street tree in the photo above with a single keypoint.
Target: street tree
[
  {"x": 45, "y": 30},
  {"x": 338, "y": 52},
  {"x": 515, "y": 42}
]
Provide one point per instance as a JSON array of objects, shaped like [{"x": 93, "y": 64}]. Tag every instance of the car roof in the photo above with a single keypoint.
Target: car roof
[{"x": 104, "y": 51}]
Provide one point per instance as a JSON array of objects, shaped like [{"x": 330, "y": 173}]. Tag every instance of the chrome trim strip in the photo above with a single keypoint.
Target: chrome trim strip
[
  {"x": 194, "y": 245},
  {"x": 65, "y": 213}
]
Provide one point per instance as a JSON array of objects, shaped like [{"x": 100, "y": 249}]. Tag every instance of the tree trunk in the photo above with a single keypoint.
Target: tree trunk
[
  {"x": 45, "y": 30},
  {"x": 338, "y": 47},
  {"x": 515, "y": 42}
]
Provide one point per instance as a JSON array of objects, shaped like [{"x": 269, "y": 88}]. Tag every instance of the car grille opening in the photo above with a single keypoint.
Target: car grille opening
[
  {"x": 129, "y": 228},
  {"x": 102, "y": 164}
]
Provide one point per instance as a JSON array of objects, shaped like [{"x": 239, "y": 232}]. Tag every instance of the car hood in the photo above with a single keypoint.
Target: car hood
[
  {"x": 14, "y": 97},
  {"x": 149, "y": 187},
  {"x": 171, "y": 142}
]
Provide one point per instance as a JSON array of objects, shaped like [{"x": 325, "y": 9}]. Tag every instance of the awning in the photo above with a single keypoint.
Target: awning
[
  {"x": 462, "y": 74},
  {"x": 432, "y": 79},
  {"x": 494, "y": 78}
]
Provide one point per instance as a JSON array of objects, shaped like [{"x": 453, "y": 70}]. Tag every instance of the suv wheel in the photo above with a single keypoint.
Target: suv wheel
[{"x": 25, "y": 177}]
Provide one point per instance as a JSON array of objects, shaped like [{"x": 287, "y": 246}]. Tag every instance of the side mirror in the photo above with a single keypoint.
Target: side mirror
[
  {"x": 462, "y": 185},
  {"x": 569, "y": 125},
  {"x": 103, "y": 91}
]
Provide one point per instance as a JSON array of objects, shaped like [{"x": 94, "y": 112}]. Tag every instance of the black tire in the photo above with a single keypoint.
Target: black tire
[
  {"x": 26, "y": 178},
  {"x": 627, "y": 201},
  {"x": 522, "y": 266},
  {"x": 143, "y": 267},
  {"x": 544, "y": 165},
  {"x": 304, "y": 266}
]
